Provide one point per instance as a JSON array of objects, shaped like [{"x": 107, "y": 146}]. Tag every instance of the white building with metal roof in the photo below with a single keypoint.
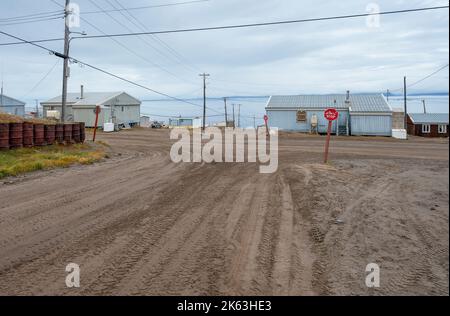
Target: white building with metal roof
[
  {"x": 116, "y": 107},
  {"x": 368, "y": 114}
]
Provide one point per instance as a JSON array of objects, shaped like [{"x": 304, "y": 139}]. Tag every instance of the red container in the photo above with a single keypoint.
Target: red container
[
  {"x": 4, "y": 136},
  {"x": 82, "y": 132},
  {"x": 28, "y": 134},
  {"x": 50, "y": 134},
  {"x": 68, "y": 133},
  {"x": 15, "y": 135},
  {"x": 59, "y": 133},
  {"x": 39, "y": 135},
  {"x": 76, "y": 137}
]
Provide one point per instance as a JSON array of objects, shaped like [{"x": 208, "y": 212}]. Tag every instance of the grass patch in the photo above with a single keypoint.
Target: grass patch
[{"x": 18, "y": 161}]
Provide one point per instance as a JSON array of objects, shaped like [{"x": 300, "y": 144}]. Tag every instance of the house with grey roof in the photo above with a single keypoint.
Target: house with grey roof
[
  {"x": 11, "y": 106},
  {"x": 428, "y": 124},
  {"x": 116, "y": 107},
  {"x": 364, "y": 115}
]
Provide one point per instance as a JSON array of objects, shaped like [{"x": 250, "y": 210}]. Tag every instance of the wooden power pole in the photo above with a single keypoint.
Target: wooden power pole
[
  {"x": 66, "y": 61},
  {"x": 226, "y": 114},
  {"x": 405, "y": 100},
  {"x": 204, "y": 75}
]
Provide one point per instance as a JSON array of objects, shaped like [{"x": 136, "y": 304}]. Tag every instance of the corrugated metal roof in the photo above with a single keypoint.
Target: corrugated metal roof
[
  {"x": 89, "y": 98},
  {"x": 429, "y": 118},
  {"x": 358, "y": 103},
  {"x": 8, "y": 101}
]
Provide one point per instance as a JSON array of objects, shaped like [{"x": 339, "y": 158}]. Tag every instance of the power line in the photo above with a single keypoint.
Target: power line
[
  {"x": 30, "y": 21},
  {"x": 423, "y": 79},
  {"x": 429, "y": 76},
  {"x": 154, "y": 64},
  {"x": 341, "y": 17},
  {"x": 33, "y": 16},
  {"x": 237, "y": 26},
  {"x": 74, "y": 60},
  {"x": 148, "y": 7},
  {"x": 178, "y": 57},
  {"x": 41, "y": 80}
]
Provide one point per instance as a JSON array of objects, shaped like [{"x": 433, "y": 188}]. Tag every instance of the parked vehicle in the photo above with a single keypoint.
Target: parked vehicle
[{"x": 156, "y": 125}]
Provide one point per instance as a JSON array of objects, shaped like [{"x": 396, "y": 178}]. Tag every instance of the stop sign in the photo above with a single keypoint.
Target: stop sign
[
  {"x": 331, "y": 114},
  {"x": 266, "y": 118}
]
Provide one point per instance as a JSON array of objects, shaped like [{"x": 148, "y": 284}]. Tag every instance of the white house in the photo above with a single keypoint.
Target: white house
[{"x": 116, "y": 107}]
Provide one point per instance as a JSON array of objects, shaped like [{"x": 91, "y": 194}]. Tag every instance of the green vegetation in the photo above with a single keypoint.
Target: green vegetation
[{"x": 18, "y": 161}]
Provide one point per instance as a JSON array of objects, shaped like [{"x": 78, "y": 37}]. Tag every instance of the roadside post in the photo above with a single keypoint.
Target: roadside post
[
  {"x": 331, "y": 115},
  {"x": 266, "y": 120},
  {"x": 97, "y": 112}
]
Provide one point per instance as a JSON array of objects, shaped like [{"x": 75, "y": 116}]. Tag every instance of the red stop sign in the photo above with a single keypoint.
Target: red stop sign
[
  {"x": 266, "y": 118},
  {"x": 331, "y": 114}
]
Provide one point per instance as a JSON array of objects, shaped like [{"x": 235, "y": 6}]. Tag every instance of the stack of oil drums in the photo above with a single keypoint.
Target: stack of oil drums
[{"x": 37, "y": 133}]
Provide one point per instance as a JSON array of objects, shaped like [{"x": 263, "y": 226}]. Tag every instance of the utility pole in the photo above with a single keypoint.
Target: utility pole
[
  {"x": 406, "y": 102},
  {"x": 387, "y": 94},
  {"x": 66, "y": 61},
  {"x": 254, "y": 121},
  {"x": 234, "y": 117},
  {"x": 204, "y": 75},
  {"x": 424, "y": 107},
  {"x": 239, "y": 115},
  {"x": 37, "y": 108},
  {"x": 226, "y": 115}
]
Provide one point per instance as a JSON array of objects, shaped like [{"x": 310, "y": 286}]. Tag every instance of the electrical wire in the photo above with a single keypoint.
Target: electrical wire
[
  {"x": 77, "y": 61},
  {"x": 227, "y": 27},
  {"x": 41, "y": 80}
]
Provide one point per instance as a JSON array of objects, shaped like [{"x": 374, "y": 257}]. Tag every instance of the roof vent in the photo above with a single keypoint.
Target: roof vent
[{"x": 347, "y": 98}]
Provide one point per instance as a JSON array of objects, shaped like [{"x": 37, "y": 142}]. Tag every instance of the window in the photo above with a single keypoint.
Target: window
[
  {"x": 442, "y": 129},
  {"x": 123, "y": 108},
  {"x": 301, "y": 116},
  {"x": 426, "y": 128}
]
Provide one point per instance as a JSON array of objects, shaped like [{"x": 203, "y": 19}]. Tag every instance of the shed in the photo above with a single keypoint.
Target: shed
[
  {"x": 358, "y": 114},
  {"x": 428, "y": 124},
  {"x": 116, "y": 107},
  {"x": 186, "y": 122},
  {"x": 11, "y": 106}
]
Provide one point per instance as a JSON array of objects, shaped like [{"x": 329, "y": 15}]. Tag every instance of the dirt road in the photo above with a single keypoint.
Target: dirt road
[{"x": 138, "y": 224}]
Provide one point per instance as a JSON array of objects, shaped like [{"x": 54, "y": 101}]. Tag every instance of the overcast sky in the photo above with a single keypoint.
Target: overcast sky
[{"x": 319, "y": 57}]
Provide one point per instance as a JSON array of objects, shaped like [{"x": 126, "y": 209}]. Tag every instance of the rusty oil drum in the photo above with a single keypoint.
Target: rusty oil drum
[
  {"x": 39, "y": 135},
  {"x": 68, "y": 133},
  {"x": 59, "y": 133},
  {"x": 28, "y": 134},
  {"x": 50, "y": 134},
  {"x": 4, "y": 136},
  {"x": 15, "y": 135},
  {"x": 82, "y": 132},
  {"x": 76, "y": 137}
]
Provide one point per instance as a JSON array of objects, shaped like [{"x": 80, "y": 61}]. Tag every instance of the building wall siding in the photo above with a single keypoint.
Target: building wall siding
[
  {"x": 371, "y": 125},
  {"x": 14, "y": 110},
  {"x": 130, "y": 114},
  {"x": 287, "y": 120}
]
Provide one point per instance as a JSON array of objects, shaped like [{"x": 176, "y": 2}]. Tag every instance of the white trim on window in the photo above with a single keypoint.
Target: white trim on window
[
  {"x": 442, "y": 129},
  {"x": 426, "y": 128}
]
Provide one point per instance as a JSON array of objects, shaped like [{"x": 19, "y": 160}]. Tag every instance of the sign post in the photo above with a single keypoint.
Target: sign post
[
  {"x": 266, "y": 119},
  {"x": 97, "y": 112},
  {"x": 331, "y": 115}
]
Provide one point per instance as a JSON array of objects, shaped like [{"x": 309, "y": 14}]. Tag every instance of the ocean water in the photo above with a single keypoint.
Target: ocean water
[
  {"x": 434, "y": 103},
  {"x": 252, "y": 109}
]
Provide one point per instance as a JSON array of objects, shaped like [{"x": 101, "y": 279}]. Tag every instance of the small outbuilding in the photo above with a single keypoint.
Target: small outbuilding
[
  {"x": 11, "y": 106},
  {"x": 428, "y": 124},
  {"x": 186, "y": 122},
  {"x": 116, "y": 107},
  {"x": 363, "y": 115}
]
